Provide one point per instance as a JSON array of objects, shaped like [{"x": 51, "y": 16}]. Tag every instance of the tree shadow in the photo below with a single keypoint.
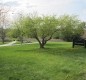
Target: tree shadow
[{"x": 58, "y": 49}]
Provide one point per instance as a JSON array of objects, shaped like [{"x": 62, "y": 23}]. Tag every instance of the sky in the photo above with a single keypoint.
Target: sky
[{"x": 47, "y": 7}]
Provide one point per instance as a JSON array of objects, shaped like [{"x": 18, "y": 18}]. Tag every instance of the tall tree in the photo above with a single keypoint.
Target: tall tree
[
  {"x": 40, "y": 28},
  {"x": 70, "y": 26},
  {"x": 3, "y": 22},
  {"x": 17, "y": 30}
]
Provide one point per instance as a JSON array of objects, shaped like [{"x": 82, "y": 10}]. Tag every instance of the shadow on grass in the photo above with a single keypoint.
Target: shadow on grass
[{"x": 62, "y": 49}]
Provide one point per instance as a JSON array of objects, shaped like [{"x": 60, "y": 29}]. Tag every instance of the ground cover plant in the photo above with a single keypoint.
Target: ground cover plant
[{"x": 58, "y": 61}]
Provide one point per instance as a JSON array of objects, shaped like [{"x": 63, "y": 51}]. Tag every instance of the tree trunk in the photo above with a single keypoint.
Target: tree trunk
[
  {"x": 3, "y": 40},
  {"x": 42, "y": 43},
  {"x": 41, "y": 46},
  {"x": 21, "y": 39},
  {"x": 3, "y": 35}
]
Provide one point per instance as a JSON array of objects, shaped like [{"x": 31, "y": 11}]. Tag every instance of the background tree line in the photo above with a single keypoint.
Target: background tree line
[{"x": 44, "y": 28}]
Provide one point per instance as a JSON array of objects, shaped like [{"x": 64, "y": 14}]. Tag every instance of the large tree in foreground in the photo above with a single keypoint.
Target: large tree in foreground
[{"x": 40, "y": 28}]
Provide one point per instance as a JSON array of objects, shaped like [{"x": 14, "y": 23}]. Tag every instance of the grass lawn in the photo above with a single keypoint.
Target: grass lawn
[{"x": 57, "y": 62}]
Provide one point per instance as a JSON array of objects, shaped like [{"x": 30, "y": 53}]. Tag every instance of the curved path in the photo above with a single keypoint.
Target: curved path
[
  {"x": 9, "y": 44},
  {"x": 13, "y": 43}
]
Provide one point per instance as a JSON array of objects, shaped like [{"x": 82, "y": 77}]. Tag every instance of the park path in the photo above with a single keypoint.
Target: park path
[
  {"x": 9, "y": 44},
  {"x": 13, "y": 43}
]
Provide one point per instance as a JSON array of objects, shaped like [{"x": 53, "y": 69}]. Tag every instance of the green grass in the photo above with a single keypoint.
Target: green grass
[{"x": 58, "y": 61}]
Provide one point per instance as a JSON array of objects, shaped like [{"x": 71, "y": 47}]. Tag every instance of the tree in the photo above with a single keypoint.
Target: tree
[
  {"x": 17, "y": 30},
  {"x": 40, "y": 28},
  {"x": 2, "y": 34},
  {"x": 70, "y": 26},
  {"x": 3, "y": 22}
]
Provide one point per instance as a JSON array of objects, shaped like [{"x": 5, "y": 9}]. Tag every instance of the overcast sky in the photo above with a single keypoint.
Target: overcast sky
[{"x": 49, "y": 7}]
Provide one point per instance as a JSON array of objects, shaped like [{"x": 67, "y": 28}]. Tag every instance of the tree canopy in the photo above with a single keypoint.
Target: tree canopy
[
  {"x": 70, "y": 26},
  {"x": 42, "y": 28}
]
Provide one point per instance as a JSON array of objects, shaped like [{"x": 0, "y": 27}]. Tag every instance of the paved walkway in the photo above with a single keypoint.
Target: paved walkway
[
  {"x": 13, "y": 43},
  {"x": 9, "y": 44}
]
